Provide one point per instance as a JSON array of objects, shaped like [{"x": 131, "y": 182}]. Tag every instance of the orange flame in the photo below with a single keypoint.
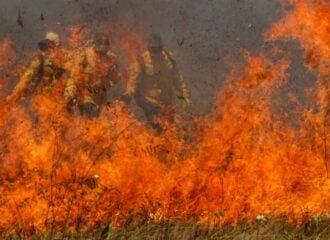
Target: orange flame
[
  {"x": 7, "y": 60},
  {"x": 65, "y": 173}
]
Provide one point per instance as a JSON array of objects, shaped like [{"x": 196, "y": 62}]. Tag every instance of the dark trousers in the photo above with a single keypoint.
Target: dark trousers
[{"x": 155, "y": 114}]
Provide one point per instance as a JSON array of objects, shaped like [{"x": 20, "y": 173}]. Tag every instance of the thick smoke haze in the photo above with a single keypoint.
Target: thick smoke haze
[{"x": 200, "y": 33}]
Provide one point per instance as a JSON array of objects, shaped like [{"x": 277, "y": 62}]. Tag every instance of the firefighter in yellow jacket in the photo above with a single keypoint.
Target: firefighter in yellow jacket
[
  {"x": 44, "y": 71},
  {"x": 153, "y": 77},
  {"x": 94, "y": 70}
]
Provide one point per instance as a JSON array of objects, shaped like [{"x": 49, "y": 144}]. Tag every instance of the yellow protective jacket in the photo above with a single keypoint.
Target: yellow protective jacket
[
  {"x": 152, "y": 79},
  {"x": 40, "y": 76},
  {"x": 91, "y": 75}
]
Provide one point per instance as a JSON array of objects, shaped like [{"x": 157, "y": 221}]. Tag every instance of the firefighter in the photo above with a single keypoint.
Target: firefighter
[
  {"x": 94, "y": 71},
  {"x": 44, "y": 71},
  {"x": 153, "y": 76}
]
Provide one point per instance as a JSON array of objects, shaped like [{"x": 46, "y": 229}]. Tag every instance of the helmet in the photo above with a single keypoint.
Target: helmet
[
  {"x": 155, "y": 43},
  {"x": 54, "y": 37}
]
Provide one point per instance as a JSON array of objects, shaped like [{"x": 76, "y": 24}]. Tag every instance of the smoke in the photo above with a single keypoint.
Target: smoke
[{"x": 201, "y": 34}]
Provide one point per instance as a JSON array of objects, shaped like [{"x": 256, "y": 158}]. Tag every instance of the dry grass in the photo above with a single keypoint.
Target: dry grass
[{"x": 277, "y": 229}]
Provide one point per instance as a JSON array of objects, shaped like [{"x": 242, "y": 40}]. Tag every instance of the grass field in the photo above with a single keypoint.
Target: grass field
[{"x": 276, "y": 229}]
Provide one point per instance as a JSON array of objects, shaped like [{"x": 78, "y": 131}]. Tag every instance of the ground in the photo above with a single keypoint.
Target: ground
[{"x": 275, "y": 229}]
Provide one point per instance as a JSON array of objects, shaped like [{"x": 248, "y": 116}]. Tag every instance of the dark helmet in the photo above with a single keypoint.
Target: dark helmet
[
  {"x": 155, "y": 43},
  {"x": 102, "y": 45},
  {"x": 46, "y": 45}
]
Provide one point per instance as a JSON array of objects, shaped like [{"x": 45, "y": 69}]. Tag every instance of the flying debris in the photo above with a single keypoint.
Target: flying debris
[
  {"x": 20, "y": 20},
  {"x": 180, "y": 42}
]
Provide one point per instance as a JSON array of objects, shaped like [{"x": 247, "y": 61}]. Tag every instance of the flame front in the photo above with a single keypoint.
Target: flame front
[{"x": 67, "y": 173}]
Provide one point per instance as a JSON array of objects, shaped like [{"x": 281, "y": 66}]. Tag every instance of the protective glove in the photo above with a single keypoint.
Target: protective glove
[{"x": 89, "y": 109}]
